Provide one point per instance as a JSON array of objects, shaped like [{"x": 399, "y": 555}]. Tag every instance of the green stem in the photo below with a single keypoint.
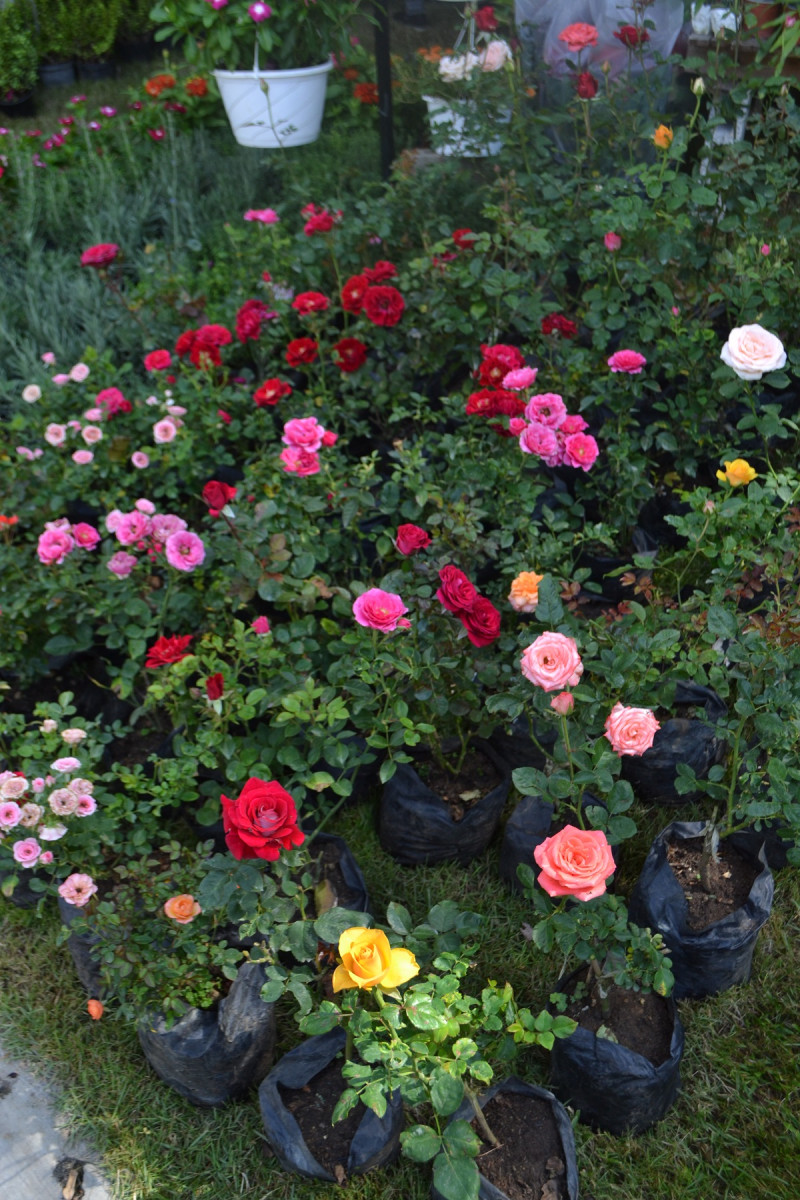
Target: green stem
[{"x": 479, "y": 1117}]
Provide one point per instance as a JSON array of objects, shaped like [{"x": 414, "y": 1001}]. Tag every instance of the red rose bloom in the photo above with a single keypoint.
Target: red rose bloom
[
  {"x": 632, "y": 37},
  {"x": 497, "y": 362},
  {"x": 382, "y": 271},
  {"x": 157, "y": 360},
  {"x": 555, "y": 323},
  {"x": 196, "y": 86},
  {"x": 318, "y": 220},
  {"x": 204, "y": 354},
  {"x": 463, "y": 238},
  {"x": 100, "y": 255},
  {"x": 168, "y": 650},
  {"x": 270, "y": 392},
  {"x": 216, "y": 495},
  {"x": 383, "y": 305},
  {"x": 353, "y": 292},
  {"x": 224, "y": 416},
  {"x": 310, "y": 302},
  {"x": 457, "y": 594},
  {"x": 367, "y": 93},
  {"x": 508, "y": 404},
  {"x": 482, "y": 622},
  {"x": 301, "y": 351},
  {"x": 485, "y": 20},
  {"x": 185, "y": 343},
  {"x": 261, "y": 821},
  {"x": 349, "y": 354},
  {"x": 249, "y": 319},
  {"x": 586, "y": 87},
  {"x": 215, "y": 686},
  {"x": 216, "y": 335},
  {"x": 481, "y": 404},
  {"x": 411, "y": 538}
]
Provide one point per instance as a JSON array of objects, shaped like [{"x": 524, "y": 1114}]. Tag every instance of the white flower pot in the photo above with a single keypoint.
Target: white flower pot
[
  {"x": 273, "y": 109},
  {"x": 457, "y": 128}
]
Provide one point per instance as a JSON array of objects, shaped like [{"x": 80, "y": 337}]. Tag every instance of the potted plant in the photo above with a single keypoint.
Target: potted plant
[
  {"x": 271, "y": 61},
  {"x": 19, "y": 60}
]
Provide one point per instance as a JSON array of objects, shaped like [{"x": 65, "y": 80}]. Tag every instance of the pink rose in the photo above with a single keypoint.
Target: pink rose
[
  {"x": 164, "y": 431},
  {"x": 54, "y": 546},
  {"x": 751, "y": 351},
  {"x": 573, "y": 423},
  {"x": 629, "y": 362},
  {"x": 185, "y": 551},
  {"x": 85, "y": 535},
  {"x": 82, "y": 457},
  {"x": 60, "y": 379},
  {"x": 145, "y": 506},
  {"x": 552, "y": 662},
  {"x": 377, "y": 609},
  {"x": 563, "y": 703},
  {"x": 523, "y": 377},
  {"x": 260, "y": 626},
  {"x": 79, "y": 372},
  {"x": 31, "y": 393},
  {"x": 575, "y": 862},
  {"x": 547, "y": 408},
  {"x": 631, "y": 730},
  {"x": 55, "y": 435},
  {"x": 86, "y": 805},
  {"x": 10, "y": 814},
  {"x": 132, "y": 527},
  {"x": 92, "y": 434},
  {"x": 26, "y": 852},
  {"x": 538, "y": 439},
  {"x": 612, "y": 241},
  {"x": 77, "y": 889},
  {"x": 48, "y": 358},
  {"x": 165, "y": 524},
  {"x": 299, "y": 462},
  {"x": 267, "y": 216},
  {"x": 303, "y": 433},
  {"x": 140, "y": 460},
  {"x": 580, "y": 450},
  {"x": 495, "y": 56},
  {"x": 121, "y": 564}
]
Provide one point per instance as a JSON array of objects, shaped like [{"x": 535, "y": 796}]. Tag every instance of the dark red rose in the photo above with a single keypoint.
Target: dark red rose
[
  {"x": 586, "y": 87},
  {"x": 464, "y": 238},
  {"x": 349, "y": 354},
  {"x": 168, "y": 650},
  {"x": 632, "y": 37},
  {"x": 249, "y": 319},
  {"x": 457, "y": 594},
  {"x": 215, "y": 686},
  {"x": 494, "y": 402},
  {"x": 261, "y": 821},
  {"x": 555, "y": 323},
  {"x": 310, "y": 302},
  {"x": 216, "y": 335},
  {"x": 411, "y": 538},
  {"x": 185, "y": 342},
  {"x": 157, "y": 360},
  {"x": 204, "y": 354},
  {"x": 270, "y": 392},
  {"x": 482, "y": 622},
  {"x": 100, "y": 255},
  {"x": 382, "y": 271},
  {"x": 485, "y": 20},
  {"x": 481, "y": 404},
  {"x": 383, "y": 305},
  {"x": 216, "y": 495},
  {"x": 224, "y": 416},
  {"x": 301, "y": 351},
  {"x": 353, "y": 292},
  {"x": 497, "y": 362}
]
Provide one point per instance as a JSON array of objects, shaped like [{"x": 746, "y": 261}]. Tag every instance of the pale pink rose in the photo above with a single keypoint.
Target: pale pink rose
[
  {"x": 381, "y": 610},
  {"x": 45, "y": 858},
  {"x": 83, "y": 457},
  {"x": 86, "y": 805},
  {"x": 631, "y": 730},
  {"x": 547, "y": 408},
  {"x": 60, "y": 379},
  {"x": 575, "y": 862},
  {"x": 552, "y": 662},
  {"x": 31, "y": 393},
  {"x": 38, "y": 784},
  {"x": 612, "y": 241},
  {"x": 299, "y": 462},
  {"x": 176, "y": 410},
  {"x": 523, "y": 377},
  {"x": 627, "y": 362},
  {"x": 77, "y": 889},
  {"x": 79, "y": 372},
  {"x": 93, "y": 414},
  {"x": 145, "y": 506},
  {"x": 260, "y": 626},
  {"x": 74, "y": 424},
  {"x": 25, "y": 453},
  {"x": 165, "y": 524},
  {"x": 132, "y": 527},
  {"x": 164, "y": 431},
  {"x": 563, "y": 703},
  {"x": 572, "y": 423},
  {"x": 55, "y": 435},
  {"x": 52, "y": 833},
  {"x": 62, "y": 802},
  {"x": 48, "y": 725},
  {"x": 26, "y": 852},
  {"x": 78, "y": 785},
  {"x": 580, "y": 450},
  {"x": 752, "y": 351},
  {"x": 31, "y": 814},
  {"x": 151, "y": 400},
  {"x": 113, "y": 519},
  {"x": 66, "y": 764},
  {"x": 48, "y": 358},
  {"x": 14, "y": 787},
  {"x": 538, "y": 439},
  {"x": 267, "y": 216},
  {"x": 85, "y": 535},
  {"x": 303, "y": 433},
  {"x": 54, "y": 545},
  {"x": 73, "y": 736},
  {"x": 185, "y": 551},
  {"x": 495, "y": 55},
  {"x": 140, "y": 460},
  {"x": 10, "y": 814},
  {"x": 92, "y": 434}
]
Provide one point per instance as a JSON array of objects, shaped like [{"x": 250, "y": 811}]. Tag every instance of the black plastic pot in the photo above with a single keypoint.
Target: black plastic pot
[
  {"x": 96, "y": 70},
  {"x": 80, "y": 947},
  {"x": 57, "y": 74},
  {"x": 23, "y": 105},
  {"x": 215, "y": 1054},
  {"x": 516, "y": 747},
  {"x": 614, "y": 1088},
  {"x": 705, "y": 961},
  {"x": 415, "y": 825},
  {"x": 601, "y": 563},
  {"x": 377, "y": 1139}
]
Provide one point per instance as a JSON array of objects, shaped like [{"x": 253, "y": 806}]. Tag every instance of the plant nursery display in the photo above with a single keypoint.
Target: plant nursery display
[{"x": 380, "y": 560}]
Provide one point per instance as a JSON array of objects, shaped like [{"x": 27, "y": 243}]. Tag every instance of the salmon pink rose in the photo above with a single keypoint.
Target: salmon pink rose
[
  {"x": 377, "y": 609},
  {"x": 575, "y": 862},
  {"x": 183, "y": 909},
  {"x": 552, "y": 662},
  {"x": 751, "y": 351},
  {"x": 578, "y": 36},
  {"x": 261, "y": 821},
  {"x": 631, "y": 730}
]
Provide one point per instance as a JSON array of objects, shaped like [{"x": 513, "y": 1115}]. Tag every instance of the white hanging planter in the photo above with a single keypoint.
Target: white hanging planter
[
  {"x": 457, "y": 128},
  {"x": 273, "y": 109}
]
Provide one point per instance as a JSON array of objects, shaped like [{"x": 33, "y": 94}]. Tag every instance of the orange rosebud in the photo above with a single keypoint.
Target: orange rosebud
[
  {"x": 95, "y": 1009},
  {"x": 662, "y": 137}
]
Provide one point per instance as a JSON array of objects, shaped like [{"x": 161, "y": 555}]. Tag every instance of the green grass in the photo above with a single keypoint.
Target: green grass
[{"x": 734, "y": 1132}]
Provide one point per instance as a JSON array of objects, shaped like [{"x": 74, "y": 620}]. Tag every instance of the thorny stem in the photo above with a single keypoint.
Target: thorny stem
[{"x": 483, "y": 1124}]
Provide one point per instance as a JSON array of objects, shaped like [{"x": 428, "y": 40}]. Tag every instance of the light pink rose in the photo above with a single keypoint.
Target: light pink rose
[
  {"x": 165, "y": 524},
  {"x": 85, "y": 535},
  {"x": 86, "y": 805},
  {"x": 79, "y": 372},
  {"x": 145, "y": 506},
  {"x": 132, "y": 527},
  {"x": 92, "y": 434},
  {"x": 631, "y": 730},
  {"x": 48, "y": 725},
  {"x": 575, "y": 862},
  {"x": 121, "y": 564},
  {"x": 30, "y": 813},
  {"x": 547, "y": 408},
  {"x": 13, "y": 787},
  {"x": 73, "y": 736},
  {"x": 523, "y": 377},
  {"x": 48, "y": 358},
  {"x": 55, "y": 435},
  {"x": 10, "y": 814},
  {"x": 552, "y": 662},
  {"x": 381, "y": 610},
  {"x": 185, "y": 551},
  {"x": 26, "y": 852},
  {"x": 25, "y": 453},
  {"x": 563, "y": 703},
  {"x": 52, "y": 833},
  {"x": 303, "y": 433},
  {"x": 113, "y": 519},
  {"x": 93, "y": 414},
  {"x": 45, "y": 858},
  {"x": 580, "y": 450},
  {"x": 164, "y": 431},
  {"x": 78, "y": 785},
  {"x": 495, "y": 55},
  {"x": 83, "y": 457},
  {"x": 60, "y": 379},
  {"x": 538, "y": 439},
  {"x": 300, "y": 462},
  {"x": 628, "y": 362},
  {"x": 77, "y": 889},
  {"x": 140, "y": 460},
  {"x": 752, "y": 351},
  {"x": 62, "y": 802},
  {"x": 31, "y": 393},
  {"x": 54, "y": 546},
  {"x": 67, "y": 763}
]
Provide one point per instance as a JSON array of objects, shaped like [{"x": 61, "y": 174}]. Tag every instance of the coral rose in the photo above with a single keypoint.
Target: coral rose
[
  {"x": 524, "y": 594},
  {"x": 377, "y": 609},
  {"x": 261, "y": 821},
  {"x": 737, "y": 473},
  {"x": 552, "y": 662},
  {"x": 183, "y": 909},
  {"x": 631, "y": 730},
  {"x": 369, "y": 961},
  {"x": 751, "y": 351},
  {"x": 578, "y": 36},
  {"x": 575, "y": 862}
]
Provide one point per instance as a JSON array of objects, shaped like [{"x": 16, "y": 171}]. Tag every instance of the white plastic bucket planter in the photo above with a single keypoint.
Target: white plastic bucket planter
[
  {"x": 456, "y": 129},
  {"x": 273, "y": 109}
]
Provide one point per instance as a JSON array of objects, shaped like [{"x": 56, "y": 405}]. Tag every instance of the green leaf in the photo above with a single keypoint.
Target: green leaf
[
  {"x": 399, "y": 918},
  {"x": 319, "y": 1022},
  {"x": 420, "y": 1143},
  {"x": 549, "y": 609},
  {"x": 303, "y": 565},
  {"x": 346, "y": 1102},
  {"x": 374, "y": 1097},
  {"x": 721, "y": 622},
  {"x": 460, "y": 1138},
  {"x": 332, "y": 924},
  {"x": 425, "y": 1013},
  {"x": 388, "y": 768},
  {"x": 447, "y": 1092},
  {"x": 456, "y": 1178}
]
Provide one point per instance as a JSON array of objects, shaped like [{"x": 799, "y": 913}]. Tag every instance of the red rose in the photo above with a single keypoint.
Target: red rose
[
  {"x": 485, "y": 20},
  {"x": 249, "y": 319},
  {"x": 411, "y": 538},
  {"x": 382, "y": 271},
  {"x": 353, "y": 292},
  {"x": 100, "y": 255},
  {"x": 508, "y": 404},
  {"x": 586, "y": 87},
  {"x": 204, "y": 354},
  {"x": 497, "y": 362},
  {"x": 482, "y": 622},
  {"x": 224, "y": 416},
  {"x": 464, "y": 238},
  {"x": 270, "y": 392},
  {"x": 301, "y": 351},
  {"x": 383, "y": 305},
  {"x": 349, "y": 354},
  {"x": 632, "y": 37},
  {"x": 310, "y": 302},
  {"x": 185, "y": 342},
  {"x": 215, "y": 686},
  {"x": 481, "y": 404},
  {"x": 157, "y": 360},
  {"x": 457, "y": 594},
  {"x": 217, "y": 335},
  {"x": 261, "y": 821},
  {"x": 216, "y": 495},
  {"x": 555, "y": 323},
  {"x": 196, "y": 86},
  {"x": 168, "y": 650}
]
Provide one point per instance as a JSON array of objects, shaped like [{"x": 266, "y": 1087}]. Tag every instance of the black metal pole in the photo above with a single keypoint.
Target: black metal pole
[{"x": 383, "y": 65}]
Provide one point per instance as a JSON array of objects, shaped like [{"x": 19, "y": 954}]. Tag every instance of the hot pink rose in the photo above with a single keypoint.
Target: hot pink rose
[
  {"x": 629, "y": 362},
  {"x": 304, "y": 433},
  {"x": 552, "y": 662},
  {"x": 631, "y": 730},
  {"x": 572, "y": 423},
  {"x": 523, "y": 377},
  {"x": 131, "y": 527},
  {"x": 612, "y": 241},
  {"x": 85, "y": 535},
  {"x": 381, "y": 610},
  {"x": 185, "y": 551},
  {"x": 539, "y": 439},
  {"x": 54, "y": 546},
  {"x": 547, "y": 408},
  {"x": 580, "y": 450},
  {"x": 260, "y": 626},
  {"x": 575, "y": 862},
  {"x": 299, "y": 462},
  {"x": 121, "y": 564}
]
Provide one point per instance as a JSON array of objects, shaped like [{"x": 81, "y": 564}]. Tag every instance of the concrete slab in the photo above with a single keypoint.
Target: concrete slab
[{"x": 37, "y": 1161}]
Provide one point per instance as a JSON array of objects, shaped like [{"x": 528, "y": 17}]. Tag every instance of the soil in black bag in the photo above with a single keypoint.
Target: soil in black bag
[
  {"x": 529, "y": 1162},
  {"x": 312, "y": 1107},
  {"x": 477, "y": 777},
  {"x": 728, "y": 882},
  {"x": 641, "y": 1022}
]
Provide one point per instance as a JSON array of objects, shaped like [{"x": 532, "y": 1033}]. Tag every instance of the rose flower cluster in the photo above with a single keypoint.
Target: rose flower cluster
[{"x": 145, "y": 529}]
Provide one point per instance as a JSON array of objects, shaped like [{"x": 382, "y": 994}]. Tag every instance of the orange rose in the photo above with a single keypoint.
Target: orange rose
[
  {"x": 524, "y": 594},
  {"x": 182, "y": 909},
  {"x": 94, "y": 1009},
  {"x": 369, "y": 961},
  {"x": 737, "y": 473},
  {"x": 662, "y": 137},
  {"x": 575, "y": 862}
]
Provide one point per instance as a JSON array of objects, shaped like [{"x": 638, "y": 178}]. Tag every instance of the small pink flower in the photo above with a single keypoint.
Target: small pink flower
[
  {"x": 48, "y": 358},
  {"x": 765, "y": 249},
  {"x": 10, "y": 814},
  {"x": 82, "y": 457},
  {"x": 547, "y": 408},
  {"x": 140, "y": 460},
  {"x": 52, "y": 833},
  {"x": 145, "y": 506},
  {"x": 14, "y": 787},
  {"x": 77, "y": 889},
  {"x": 164, "y": 524},
  {"x": 26, "y": 852},
  {"x": 54, "y": 546},
  {"x": 93, "y": 414},
  {"x": 572, "y": 423},
  {"x": 580, "y": 450},
  {"x": 66, "y": 764},
  {"x": 113, "y": 519},
  {"x": 31, "y": 393},
  {"x": 303, "y": 433},
  {"x": 62, "y": 802},
  {"x": 30, "y": 813},
  {"x": 538, "y": 439},
  {"x": 132, "y": 527},
  {"x": 629, "y": 362},
  {"x": 329, "y": 438},
  {"x": 552, "y": 662},
  {"x": 299, "y": 462},
  {"x": 377, "y": 609},
  {"x": 158, "y": 134},
  {"x": 563, "y": 703},
  {"x": 523, "y": 377},
  {"x": 85, "y": 535},
  {"x": 86, "y": 805},
  {"x": 79, "y": 372},
  {"x": 45, "y": 858},
  {"x": 73, "y": 736},
  {"x": 55, "y": 435},
  {"x": 121, "y": 564},
  {"x": 260, "y": 626},
  {"x": 267, "y": 216},
  {"x": 516, "y": 425},
  {"x": 185, "y": 551},
  {"x": 164, "y": 431},
  {"x": 259, "y": 11},
  {"x": 91, "y": 434},
  {"x": 60, "y": 379},
  {"x": 612, "y": 241},
  {"x": 631, "y": 730}
]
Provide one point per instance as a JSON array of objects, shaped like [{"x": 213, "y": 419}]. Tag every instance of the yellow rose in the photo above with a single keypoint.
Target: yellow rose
[
  {"x": 737, "y": 472},
  {"x": 524, "y": 594},
  {"x": 369, "y": 961},
  {"x": 663, "y": 137}
]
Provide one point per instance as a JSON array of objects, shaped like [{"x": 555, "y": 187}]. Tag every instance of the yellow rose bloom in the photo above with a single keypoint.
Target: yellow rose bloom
[
  {"x": 663, "y": 137},
  {"x": 524, "y": 594},
  {"x": 737, "y": 473},
  {"x": 369, "y": 961}
]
